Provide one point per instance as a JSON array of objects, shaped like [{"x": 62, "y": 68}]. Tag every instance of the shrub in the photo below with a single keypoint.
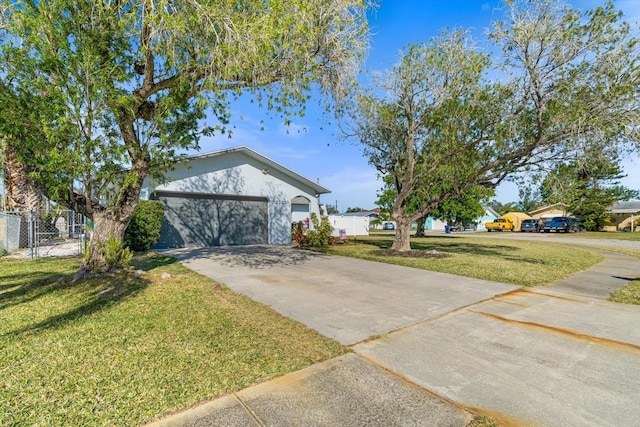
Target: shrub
[
  {"x": 298, "y": 234},
  {"x": 144, "y": 229},
  {"x": 320, "y": 234},
  {"x": 115, "y": 254}
]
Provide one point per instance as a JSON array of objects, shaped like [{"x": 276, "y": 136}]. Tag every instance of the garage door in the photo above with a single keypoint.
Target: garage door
[{"x": 197, "y": 220}]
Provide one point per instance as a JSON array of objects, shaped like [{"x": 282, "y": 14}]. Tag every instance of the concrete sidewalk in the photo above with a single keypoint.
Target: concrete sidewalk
[
  {"x": 444, "y": 345},
  {"x": 345, "y": 391}
]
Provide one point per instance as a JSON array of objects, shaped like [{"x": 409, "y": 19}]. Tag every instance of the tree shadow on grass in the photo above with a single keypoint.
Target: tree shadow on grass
[
  {"x": 251, "y": 256},
  {"x": 450, "y": 247},
  {"x": 149, "y": 261},
  {"x": 99, "y": 293},
  {"x": 38, "y": 280},
  {"x": 25, "y": 286},
  {"x": 505, "y": 252}
]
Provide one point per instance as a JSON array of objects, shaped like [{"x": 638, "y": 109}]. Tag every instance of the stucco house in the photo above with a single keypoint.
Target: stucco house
[
  {"x": 234, "y": 196},
  {"x": 490, "y": 215},
  {"x": 550, "y": 211},
  {"x": 624, "y": 216}
]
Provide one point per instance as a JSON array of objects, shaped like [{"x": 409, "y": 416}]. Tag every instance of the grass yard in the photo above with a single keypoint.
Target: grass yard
[
  {"x": 630, "y": 294},
  {"x": 127, "y": 349},
  {"x": 519, "y": 262}
]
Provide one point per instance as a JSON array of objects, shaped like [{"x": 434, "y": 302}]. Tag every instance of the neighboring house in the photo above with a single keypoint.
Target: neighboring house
[
  {"x": 352, "y": 223},
  {"x": 490, "y": 215},
  {"x": 232, "y": 197},
  {"x": 550, "y": 211},
  {"x": 436, "y": 224},
  {"x": 624, "y": 215}
]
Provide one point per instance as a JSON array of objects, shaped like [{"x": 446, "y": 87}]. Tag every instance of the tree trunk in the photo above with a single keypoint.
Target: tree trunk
[
  {"x": 21, "y": 193},
  {"x": 420, "y": 228},
  {"x": 402, "y": 242},
  {"x": 105, "y": 246}
]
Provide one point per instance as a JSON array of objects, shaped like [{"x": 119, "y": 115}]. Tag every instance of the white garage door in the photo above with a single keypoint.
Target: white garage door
[{"x": 200, "y": 220}]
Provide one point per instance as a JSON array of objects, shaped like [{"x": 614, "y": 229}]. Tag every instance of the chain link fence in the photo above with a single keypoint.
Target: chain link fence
[{"x": 42, "y": 234}]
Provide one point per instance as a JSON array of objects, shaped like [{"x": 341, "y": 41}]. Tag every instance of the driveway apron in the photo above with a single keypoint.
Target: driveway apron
[{"x": 549, "y": 356}]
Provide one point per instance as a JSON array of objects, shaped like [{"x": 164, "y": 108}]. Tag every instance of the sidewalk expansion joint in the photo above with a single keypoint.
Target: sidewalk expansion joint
[
  {"x": 252, "y": 415},
  {"x": 408, "y": 381},
  {"x": 433, "y": 319},
  {"x": 606, "y": 342}
]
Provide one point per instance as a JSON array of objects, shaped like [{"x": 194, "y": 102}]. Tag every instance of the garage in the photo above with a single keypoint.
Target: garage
[
  {"x": 234, "y": 196},
  {"x": 200, "y": 220}
]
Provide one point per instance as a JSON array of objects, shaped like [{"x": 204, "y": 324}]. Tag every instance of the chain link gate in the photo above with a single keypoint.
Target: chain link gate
[{"x": 47, "y": 233}]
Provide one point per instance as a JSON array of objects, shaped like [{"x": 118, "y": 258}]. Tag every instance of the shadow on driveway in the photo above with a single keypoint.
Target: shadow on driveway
[{"x": 253, "y": 257}]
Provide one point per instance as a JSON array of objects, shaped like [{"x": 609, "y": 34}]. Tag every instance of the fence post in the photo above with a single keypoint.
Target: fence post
[{"x": 31, "y": 233}]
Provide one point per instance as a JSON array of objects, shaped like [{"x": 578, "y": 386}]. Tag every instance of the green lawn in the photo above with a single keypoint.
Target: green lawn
[
  {"x": 630, "y": 294},
  {"x": 519, "y": 262},
  {"x": 124, "y": 350}
]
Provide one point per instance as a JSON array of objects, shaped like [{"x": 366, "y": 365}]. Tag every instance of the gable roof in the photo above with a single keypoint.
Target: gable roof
[
  {"x": 564, "y": 206},
  {"x": 491, "y": 211},
  {"x": 319, "y": 189},
  {"x": 632, "y": 206}
]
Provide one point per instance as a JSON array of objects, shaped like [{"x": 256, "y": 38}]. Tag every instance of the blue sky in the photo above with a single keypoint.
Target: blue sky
[{"x": 311, "y": 146}]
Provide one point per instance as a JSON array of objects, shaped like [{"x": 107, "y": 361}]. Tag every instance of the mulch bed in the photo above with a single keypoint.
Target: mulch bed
[{"x": 411, "y": 254}]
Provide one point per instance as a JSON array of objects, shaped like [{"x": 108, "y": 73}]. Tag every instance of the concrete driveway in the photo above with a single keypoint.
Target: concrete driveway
[
  {"x": 343, "y": 298},
  {"x": 525, "y": 356}
]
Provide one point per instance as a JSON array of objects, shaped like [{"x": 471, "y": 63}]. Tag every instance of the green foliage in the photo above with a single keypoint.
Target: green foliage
[
  {"x": 320, "y": 234},
  {"x": 114, "y": 256},
  {"x": 299, "y": 235},
  {"x": 464, "y": 209},
  {"x": 589, "y": 186},
  {"x": 87, "y": 88},
  {"x": 436, "y": 127},
  {"x": 145, "y": 226},
  {"x": 503, "y": 208}
]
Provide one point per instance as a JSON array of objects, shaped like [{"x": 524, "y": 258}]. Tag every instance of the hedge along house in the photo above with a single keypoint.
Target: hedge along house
[{"x": 231, "y": 197}]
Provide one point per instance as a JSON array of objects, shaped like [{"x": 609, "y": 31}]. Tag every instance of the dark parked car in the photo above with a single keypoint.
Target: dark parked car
[
  {"x": 458, "y": 226},
  {"x": 534, "y": 225},
  {"x": 561, "y": 223},
  {"x": 388, "y": 226}
]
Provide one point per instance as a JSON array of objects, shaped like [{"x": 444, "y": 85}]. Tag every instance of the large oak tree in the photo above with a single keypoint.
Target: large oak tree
[
  {"x": 448, "y": 118},
  {"x": 104, "y": 93}
]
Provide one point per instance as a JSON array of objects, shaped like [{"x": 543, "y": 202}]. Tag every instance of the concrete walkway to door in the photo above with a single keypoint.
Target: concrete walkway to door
[{"x": 440, "y": 344}]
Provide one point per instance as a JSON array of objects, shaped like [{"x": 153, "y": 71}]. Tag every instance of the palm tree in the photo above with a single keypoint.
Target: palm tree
[{"x": 21, "y": 193}]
